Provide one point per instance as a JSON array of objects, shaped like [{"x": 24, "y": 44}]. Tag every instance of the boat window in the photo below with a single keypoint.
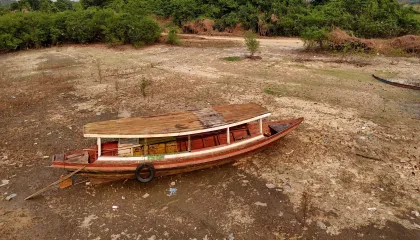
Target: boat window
[
  {"x": 158, "y": 146},
  {"x": 214, "y": 138}
]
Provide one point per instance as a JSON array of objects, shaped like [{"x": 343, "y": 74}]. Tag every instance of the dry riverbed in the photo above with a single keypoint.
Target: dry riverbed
[{"x": 350, "y": 171}]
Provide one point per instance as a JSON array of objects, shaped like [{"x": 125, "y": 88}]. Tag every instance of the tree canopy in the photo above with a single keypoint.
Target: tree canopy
[{"x": 116, "y": 21}]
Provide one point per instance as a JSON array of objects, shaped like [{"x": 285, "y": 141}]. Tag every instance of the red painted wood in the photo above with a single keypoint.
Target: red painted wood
[{"x": 188, "y": 163}]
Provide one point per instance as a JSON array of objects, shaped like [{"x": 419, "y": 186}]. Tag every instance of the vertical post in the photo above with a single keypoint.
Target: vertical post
[
  {"x": 99, "y": 147},
  {"x": 228, "y": 136},
  {"x": 189, "y": 143},
  {"x": 146, "y": 151},
  {"x": 261, "y": 126}
]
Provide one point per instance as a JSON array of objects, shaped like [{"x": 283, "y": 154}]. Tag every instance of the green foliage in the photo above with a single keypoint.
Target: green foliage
[
  {"x": 314, "y": 36},
  {"x": 127, "y": 21},
  {"x": 37, "y": 29},
  {"x": 251, "y": 43},
  {"x": 173, "y": 37},
  {"x": 232, "y": 59}
]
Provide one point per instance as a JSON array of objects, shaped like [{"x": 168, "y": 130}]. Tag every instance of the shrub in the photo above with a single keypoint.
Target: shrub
[
  {"x": 251, "y": 42},
  {"x": 37, "y": 29},
  {"x": 173, "y": 37},
  {"x": 314, "y": 36},
  {"x": 142, "y": 31}
]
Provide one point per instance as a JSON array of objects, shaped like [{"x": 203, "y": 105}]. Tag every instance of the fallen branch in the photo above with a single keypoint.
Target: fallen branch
[
  {"x": 55, "y": 183},
  {"x": 368, "y": 157}
]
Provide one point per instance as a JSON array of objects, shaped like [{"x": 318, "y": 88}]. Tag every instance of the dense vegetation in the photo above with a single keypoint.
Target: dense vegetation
[
  {"x": 364, "y": 18},
  {"x": 34, "y": 23}
]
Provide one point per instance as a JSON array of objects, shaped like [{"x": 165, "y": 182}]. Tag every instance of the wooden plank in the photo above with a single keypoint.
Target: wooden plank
[{"x": 177, "y": 124}]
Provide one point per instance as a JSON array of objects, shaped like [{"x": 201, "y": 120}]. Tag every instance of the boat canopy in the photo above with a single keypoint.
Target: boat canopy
[{"x": 178, "y": 123}]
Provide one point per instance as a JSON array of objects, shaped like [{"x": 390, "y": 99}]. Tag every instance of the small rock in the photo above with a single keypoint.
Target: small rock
[
  {"x": 146, "y": 195},
  {"x": 281, "y": 213},
  {"x": 98, "y": 113},
  {"x": 270, "y": 185},
  {"x": 372, "y": 209},
  {"x": 321, "y": 225},
  {"x": 115, "y": 207},
  {"x": 87, "y": 183},
  {"x": 231, "y": 237},
  {"x": 8, "y": 198},
  {"x": 287, "y": 187},
  {"x": 245, "y": 181},
  {"x": 4, "y": 182},
  {"x": 261, "y": 204},
  {"x": 416, "y": 213},
  {"x": 123, "y": 198},
  {"x": 45, "y": 157},
  {"x": 172, "y": 183}
]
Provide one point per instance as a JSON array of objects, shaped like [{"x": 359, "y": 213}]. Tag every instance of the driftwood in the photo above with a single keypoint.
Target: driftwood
[
  {"x": 368, "y": 157},
  {"x": 55, "y": 183}
]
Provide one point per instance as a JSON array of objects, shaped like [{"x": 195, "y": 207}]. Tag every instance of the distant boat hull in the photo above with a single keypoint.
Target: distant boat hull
[
  {"x": 114, "y": 167},
  {"x": 396, "y": 84}
]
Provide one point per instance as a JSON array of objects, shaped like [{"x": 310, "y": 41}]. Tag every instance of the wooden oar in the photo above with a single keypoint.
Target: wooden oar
[{"x": 55, "y": 183}]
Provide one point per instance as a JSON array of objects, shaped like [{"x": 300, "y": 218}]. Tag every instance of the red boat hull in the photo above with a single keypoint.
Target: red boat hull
[{"x": 126, "y": 169}]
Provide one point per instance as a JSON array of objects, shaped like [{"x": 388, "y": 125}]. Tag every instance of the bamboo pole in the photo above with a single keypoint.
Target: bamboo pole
[{"x": 55, "y": 183}]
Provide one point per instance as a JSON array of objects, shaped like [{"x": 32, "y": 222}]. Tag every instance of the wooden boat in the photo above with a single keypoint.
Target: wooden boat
[
  {"x": 396, "y": 83},
  {"x": 146, "y": 147}
]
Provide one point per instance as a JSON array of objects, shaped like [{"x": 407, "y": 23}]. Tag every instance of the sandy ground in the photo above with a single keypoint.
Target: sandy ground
[{"x": 350, "y": 171}]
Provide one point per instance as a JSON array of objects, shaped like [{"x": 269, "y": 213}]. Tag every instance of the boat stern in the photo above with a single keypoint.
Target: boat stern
[{"x": 75, "y": 157}]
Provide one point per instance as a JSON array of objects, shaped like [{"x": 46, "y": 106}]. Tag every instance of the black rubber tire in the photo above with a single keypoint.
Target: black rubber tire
[{"x": 151, "y": 169}]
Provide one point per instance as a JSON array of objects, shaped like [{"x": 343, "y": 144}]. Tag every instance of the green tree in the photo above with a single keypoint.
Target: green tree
[
  {"x": 251, "y": 43},
  {"x": 173, "y": 37},
  {"x": 63, "y": 5}
]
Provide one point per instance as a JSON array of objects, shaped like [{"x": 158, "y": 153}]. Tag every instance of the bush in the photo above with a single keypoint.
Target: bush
[
  {"x": 251, "y": 42},
  {"x": 173, "y": 36},
  {"x": 39, "y": 29},
  {"x": 314, "y": 37},
  {"x": 141, "y": 31}
]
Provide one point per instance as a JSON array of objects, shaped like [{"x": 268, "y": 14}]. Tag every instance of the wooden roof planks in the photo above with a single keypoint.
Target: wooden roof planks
[{"x": 177, "y": 124}]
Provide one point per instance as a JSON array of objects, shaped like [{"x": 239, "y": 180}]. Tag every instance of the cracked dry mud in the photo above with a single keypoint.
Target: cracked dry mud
[{"x": 350, "y": 171}]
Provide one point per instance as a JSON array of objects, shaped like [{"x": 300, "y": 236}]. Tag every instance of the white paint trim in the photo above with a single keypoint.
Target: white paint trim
[
  {"x": 228, "y": 136},
  {"x": 178, "y": 133},
  {"x": 99, "y": 146},
  {"x": 261, "y": 126},
  {"x": 179, "y": 155}
]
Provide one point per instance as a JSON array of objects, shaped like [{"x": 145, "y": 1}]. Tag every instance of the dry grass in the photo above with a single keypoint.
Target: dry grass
[{"x": 341, "y": 40}]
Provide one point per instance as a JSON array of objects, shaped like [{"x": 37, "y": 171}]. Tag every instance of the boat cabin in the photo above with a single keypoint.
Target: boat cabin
[{"x": 176, "y": 134}]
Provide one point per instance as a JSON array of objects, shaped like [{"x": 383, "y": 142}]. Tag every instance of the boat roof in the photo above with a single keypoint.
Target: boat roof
[{"x": 177, "y": 123}]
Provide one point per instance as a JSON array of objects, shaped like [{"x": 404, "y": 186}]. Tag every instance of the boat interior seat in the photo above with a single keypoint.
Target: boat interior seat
[
  {"x": 78, "y": 158},
  {"x": 277, "y": 128}
]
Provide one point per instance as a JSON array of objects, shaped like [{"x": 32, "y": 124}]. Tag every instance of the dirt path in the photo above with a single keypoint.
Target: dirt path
[
  {"x": 350, "y": 171},
  {"x": 287, "y": 43}
]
